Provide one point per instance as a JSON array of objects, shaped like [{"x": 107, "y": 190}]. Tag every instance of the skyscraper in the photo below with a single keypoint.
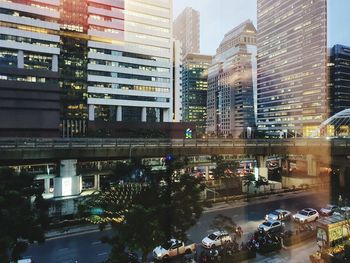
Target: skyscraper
[
  {"x": 292, "y": 56},
  {"x": 29, "y": 51},
  {"x": 231, "y": 82},
  {"x": 187, "y": 30},
  {"x": 194, "y": 89},
  {"x": 339, "y": 78},
  {"x": 85, "y": 60}
]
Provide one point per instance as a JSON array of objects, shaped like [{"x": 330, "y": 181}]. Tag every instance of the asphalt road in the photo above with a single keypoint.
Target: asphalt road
[{"x": 87, "y": 248}]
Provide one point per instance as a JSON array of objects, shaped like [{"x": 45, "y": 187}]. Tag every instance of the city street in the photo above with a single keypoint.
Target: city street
[{"x": 87, "y": 248}]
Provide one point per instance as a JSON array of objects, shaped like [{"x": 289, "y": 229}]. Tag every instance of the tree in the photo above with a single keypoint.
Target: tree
[
  {"x": 248, "y": 181},
  {"x": 262, "y": 181},
  {"x": 223, "y": 168},
  {"x": 19, "y": 218},
  {"x": 148, "y": 214}
]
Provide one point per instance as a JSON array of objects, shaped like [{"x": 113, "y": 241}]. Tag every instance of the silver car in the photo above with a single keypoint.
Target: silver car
[{"x": 279, "y": 214}]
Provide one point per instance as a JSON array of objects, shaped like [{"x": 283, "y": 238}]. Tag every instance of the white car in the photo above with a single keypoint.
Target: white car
[
  {"x": 173, "y": 248},
  {"x": 306, "y": 215},
  {"x": 216, "y": 239},
  {"x": 271, "y": 226},
  {"x": 279, "y": 214},
  {"x": 328, "y": 210}
]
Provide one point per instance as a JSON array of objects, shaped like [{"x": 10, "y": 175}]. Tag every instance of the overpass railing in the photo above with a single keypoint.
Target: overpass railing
[{"x": 16, "y": 143}]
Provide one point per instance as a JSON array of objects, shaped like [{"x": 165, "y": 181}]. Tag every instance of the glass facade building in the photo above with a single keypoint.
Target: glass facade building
[
  {"x": 292, "y": 96},
  {"x": 194, "y": 89},
  {"x": 339, "y": 78},
  {"x": 231, "y": 83}
]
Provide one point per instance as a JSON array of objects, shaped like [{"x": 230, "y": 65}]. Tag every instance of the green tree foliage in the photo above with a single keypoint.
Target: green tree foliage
[
  {"x": 223, "y": 168},
  {"x": 20, "y": 219},
  {"x": 165, "y": 207}
]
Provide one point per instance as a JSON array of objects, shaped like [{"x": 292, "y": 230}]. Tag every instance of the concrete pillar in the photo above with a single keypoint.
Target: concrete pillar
[
  {"x": 55, "y": 63},
  {"x": 91, "y": 112},
  {"x": 47, "y": 185},
  {"x": 312, "y": 166},
  {"x": 20, "y": 59},
  {"x": 144, "y": 114},
  {"x": 165, "y": 115},
  {"x": 262, "y": 169},
  {"x": 68, "y": 183},
  {"x": 119, "y": 113},
  {"x": 97, "y": 181},
  {"x": 207, "y": 173}
]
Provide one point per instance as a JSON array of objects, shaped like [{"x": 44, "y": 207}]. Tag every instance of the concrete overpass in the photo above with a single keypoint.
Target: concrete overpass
[
  {"x": 68, "y": 152},
  {"x": 16, "y": 151}
]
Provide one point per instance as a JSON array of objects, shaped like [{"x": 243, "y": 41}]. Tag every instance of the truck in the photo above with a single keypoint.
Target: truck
[
  {"x": 173, "y": 248},
  {"x": 332, "y": 231}
]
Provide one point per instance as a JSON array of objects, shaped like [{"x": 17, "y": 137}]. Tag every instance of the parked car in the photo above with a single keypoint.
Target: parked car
[
  {"x": 271, "y": 226},
  {"x": 306, "y": 215},
  {"x": 328, "y": 210},
  {"x": 173, "y": 248},
  {"x": 343, "y": 211},
  {"x": 279, "y": 214},
  {"x": 216, "y": 239}
]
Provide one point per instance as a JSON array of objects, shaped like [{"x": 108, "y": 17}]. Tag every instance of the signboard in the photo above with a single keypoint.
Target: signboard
[{"x": 188, "y": 133}]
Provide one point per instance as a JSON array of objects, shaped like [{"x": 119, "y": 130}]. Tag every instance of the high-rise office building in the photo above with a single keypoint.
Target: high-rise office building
[
  {"x": 130, "y": 60},
  {"x": 292, "y": 75},
  {"x": 177, "y": 81},
  {"x": 186, "y": 29},
  {"x": 231, "y": 83},
  {"x": 29, "y": 51},
  {"x": 194, "y": 89},
  {"x": 339, "y": 78},
  {"x": 90, "y": 60}
]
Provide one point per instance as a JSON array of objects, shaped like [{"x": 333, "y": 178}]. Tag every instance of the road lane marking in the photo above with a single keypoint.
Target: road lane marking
[
  {"x": 102, "y": 254},
  {"x": 96, "y": 243},
  {"x": 61, "y": 249}
]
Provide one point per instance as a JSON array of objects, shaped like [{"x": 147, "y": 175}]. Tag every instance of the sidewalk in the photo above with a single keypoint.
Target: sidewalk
[{"x": 71, "y": 231}]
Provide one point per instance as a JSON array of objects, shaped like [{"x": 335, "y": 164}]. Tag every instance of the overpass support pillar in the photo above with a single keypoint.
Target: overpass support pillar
[
  {"x": 312, "y": 165},
  {"x": 68, "y": 183},
  {"x": 47, "y": 185},
  {"x": 262, "y": 169},
  {"x": 207, "y": 173},
  {"x": 97, "y": 181}
]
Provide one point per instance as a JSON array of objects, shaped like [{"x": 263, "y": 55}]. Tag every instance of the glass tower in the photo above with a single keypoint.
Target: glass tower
[
  {"x": 194, "y": 89},
  {"x": 292, "y": 59}
]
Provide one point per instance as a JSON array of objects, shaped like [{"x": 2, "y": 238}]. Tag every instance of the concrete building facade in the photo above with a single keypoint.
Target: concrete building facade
[
  {"x": 231, "y": 84},
  {"x": 85, "y": 61},
  {"x": 187, "y": 30}
]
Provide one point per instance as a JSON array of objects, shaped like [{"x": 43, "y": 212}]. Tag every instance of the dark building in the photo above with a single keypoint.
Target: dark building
[
  {"x": 194, "y": 89},
  {"x": 73, "y": 67},
  {"x": 29, "y": 91},
  {"x": 339, "y": 74}
]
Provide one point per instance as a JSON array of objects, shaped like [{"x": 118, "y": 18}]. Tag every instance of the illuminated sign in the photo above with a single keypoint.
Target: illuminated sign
[
  {"x": 188, "y": 134},
  {"x": 66, "y": 186}
]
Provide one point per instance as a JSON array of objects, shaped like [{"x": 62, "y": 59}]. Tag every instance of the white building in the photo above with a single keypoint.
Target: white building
[
  {"x": 231, "y": 83},
  {"x": 130, "y": 60},
  {"x": 187, "y": 30}
]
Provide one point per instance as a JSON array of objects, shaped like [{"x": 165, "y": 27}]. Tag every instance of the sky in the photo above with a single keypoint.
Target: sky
[{"x": 220, "y": 16}]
